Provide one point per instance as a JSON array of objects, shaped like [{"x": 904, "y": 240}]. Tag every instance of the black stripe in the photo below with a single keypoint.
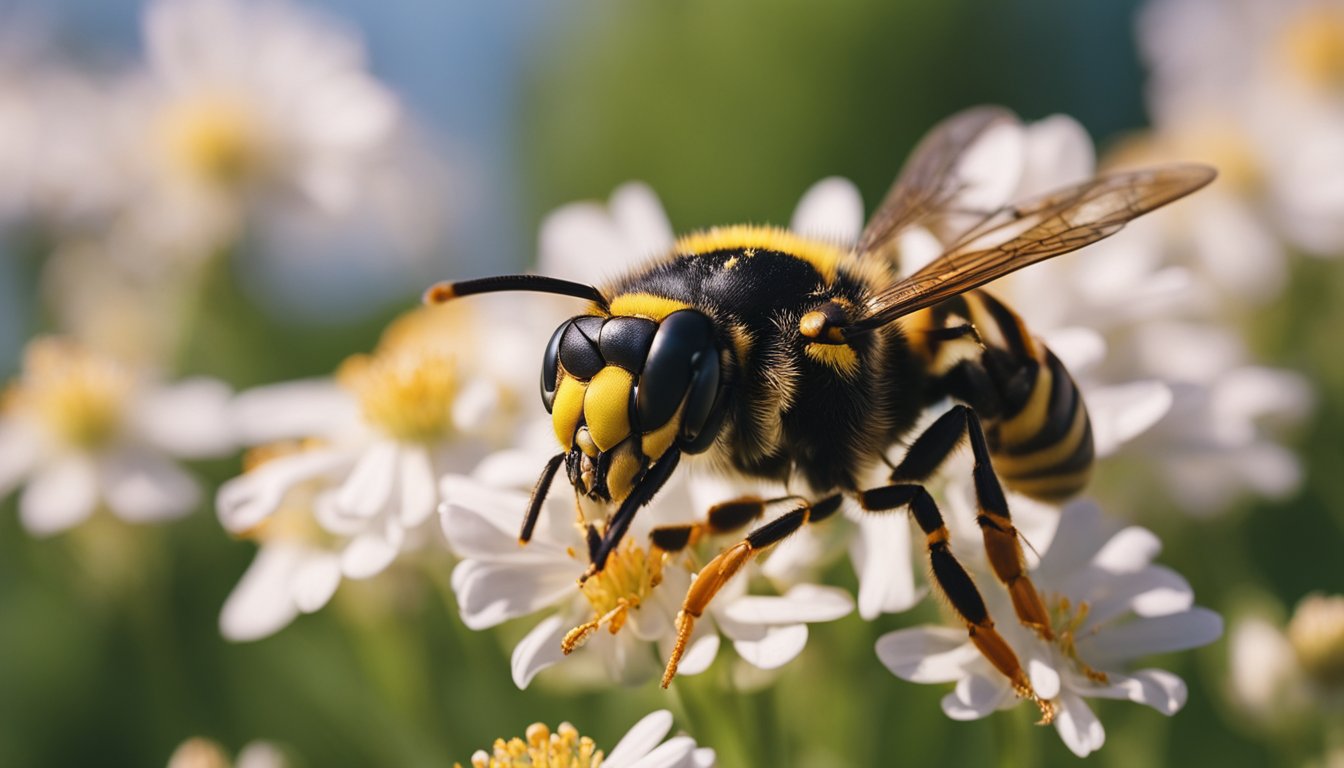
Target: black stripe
[
  {"x": 1059, "y": 414},
  {"x": 1008, "y": 324},
  {"x": 1081, "y": 458}
]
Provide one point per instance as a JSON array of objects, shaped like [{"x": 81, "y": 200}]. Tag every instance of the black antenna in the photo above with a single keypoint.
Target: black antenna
[{"x": 439, "y": 293}]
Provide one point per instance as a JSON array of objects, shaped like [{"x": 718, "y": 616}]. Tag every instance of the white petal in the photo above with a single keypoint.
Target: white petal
[
  {"x": 991, "y": 168},
  {"x": 1159, "y": 634},
  {"x": 1078, "y": 348},
  {"x": 1044, "y": 677},
  {"x": 927, "y": 654},
  {"x": 974, "y": 697},
  {"x": 917, "y": 247},
  {"x": 538, "y": 650},
  {"x": 477, "y": 405},
  {"x": 419, "y": 496},
  {"x": 673, "y": 753},
  {"x": 316, "y": 581},
  {"x": 700, "y": 653},
  {"x": 639, "y": 217},
  {"x": 1128, "y": 551},
  {"x": 189, "y": 419},
  {"x": 368, "y": 489},
  {"x": 881, "y": 557},
  {"x": 775, "y": 647},
  {"x": 1078, "y": 726},
  {"x": 292, "y": 410},
  {"x": 143, "y": 487},
  {"x": 18, "y": 455},
  {"x": 1260, "y": 663},
  {"x": 704, "y": 757},
  {"x": 1157, "y": 688},
  {"x": 260, "y": 754},
  {"x": 59, "y": 496},
  {"x": 368, "y": 555},
  {"x": 804, "y": 602},
  {"x": 490, "y": 593},
  {"x": 640, "y": 739},
  {"x": 251, "y": 497},
  {"x": 1080, "y": 535},
  {"x": 830, "y": 210},
  {"x": 1123, "y": 412},
  {"x": 1058, "y": 152},
  {"x": 261, "y": 605}
]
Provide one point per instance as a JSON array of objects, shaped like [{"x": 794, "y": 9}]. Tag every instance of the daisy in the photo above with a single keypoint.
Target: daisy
[
  {"x": 359, "y": 492},
  {"x": 641, "y": 747},
  {"x": 1109, "y": 606},
  {"x": 623, "y": 616},
  {"x": 81, "y": 432}
]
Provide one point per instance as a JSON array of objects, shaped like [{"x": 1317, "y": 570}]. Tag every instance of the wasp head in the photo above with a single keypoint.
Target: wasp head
[{"x": 623, "y": 390}]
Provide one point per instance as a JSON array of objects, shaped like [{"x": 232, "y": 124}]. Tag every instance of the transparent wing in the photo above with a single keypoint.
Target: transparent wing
[
  {"x": 952, "y": 169},
  {"x": 1032, "y": 231}
]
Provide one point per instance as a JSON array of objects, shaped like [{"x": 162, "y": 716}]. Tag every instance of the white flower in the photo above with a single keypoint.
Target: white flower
[
  {"x": 619, "y": 613},
  {"x": 391, "y": 424},
  {"x": 641, "y": 747},
  {"x": 1258, "y": 88},
  {"x": 203, "y": 753},
  {"x": 1109, "y": 606},
  {"x": 80, "y": 431}
]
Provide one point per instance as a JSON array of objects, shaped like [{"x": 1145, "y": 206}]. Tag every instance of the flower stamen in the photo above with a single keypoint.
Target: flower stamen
[
  {"x": 630, "y": 576},
  {"x": 1067, "y": 622},
  {"x": 408, "y": 393},
  {"x": 79, "y": 396},
  {"x": 565, "y": 748}
]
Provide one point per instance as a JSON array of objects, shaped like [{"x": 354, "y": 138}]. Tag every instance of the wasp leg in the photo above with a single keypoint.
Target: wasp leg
[
  {"x": 539, "y": 492},
  {"x": 727, "y": 563},
  {"x": 955, "y": 583},
  {"x": 724, "y": 517},
  {"x": 1002, "y": 543}
]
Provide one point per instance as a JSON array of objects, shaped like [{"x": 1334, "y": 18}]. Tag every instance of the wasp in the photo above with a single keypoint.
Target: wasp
[{"x": 795, "y": 360}]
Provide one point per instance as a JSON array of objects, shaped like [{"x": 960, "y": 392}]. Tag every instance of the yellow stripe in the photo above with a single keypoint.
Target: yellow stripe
[
  {"x": 566, "y": 409},
  {"x": 1047, "y": 457},
  {"x": 824, "y": 257},
  {"x": 606, "y": 407},
  {"x": 1051, "y": 487},
  {"x": 656, "y": 443},
  {"x": 621, "y": 474},
  {"x": 839, "y": 357},
  {"x": 1028, "y": 421},
  {"x": 646, "y": 305}
]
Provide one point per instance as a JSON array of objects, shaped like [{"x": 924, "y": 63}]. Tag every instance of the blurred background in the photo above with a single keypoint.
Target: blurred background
[{"x": 110, "y": 651}]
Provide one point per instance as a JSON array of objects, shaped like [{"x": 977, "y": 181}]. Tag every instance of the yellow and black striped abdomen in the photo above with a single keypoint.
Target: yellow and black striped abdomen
[{"x": 1034, "y": 416}]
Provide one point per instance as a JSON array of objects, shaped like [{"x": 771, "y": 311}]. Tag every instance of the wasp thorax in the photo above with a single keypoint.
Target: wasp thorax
[{"x": 622, "y": 390}]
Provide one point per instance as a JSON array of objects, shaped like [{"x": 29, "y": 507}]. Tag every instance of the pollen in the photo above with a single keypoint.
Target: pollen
[
  {"x": 405, "y": 392},
  {"x": 213, "y": 139},
  {"x": 629, "y": 578},
  {"x": 541, "y": 747},
  {"x": 1066, "y": 619},
  {"x": 80, "y": 397}
]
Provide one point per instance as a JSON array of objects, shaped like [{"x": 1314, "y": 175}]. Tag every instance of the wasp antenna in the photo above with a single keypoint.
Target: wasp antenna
[{"x": 439, "y": 293}]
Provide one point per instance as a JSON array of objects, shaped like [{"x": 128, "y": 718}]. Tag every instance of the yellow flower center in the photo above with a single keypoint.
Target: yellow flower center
[
  {"x": 78, "y": 396},
  {"x": 630, "y": 576},
  {"x": 407, "y": 393},
  {"x": 294, "y": 518},
  {"x": 213, "y": 139},
  {"x": 1066, "y": 619},
  {"x": 1313, "y": 46},
  {"x": 564, "y": 748},
  {"x": 1316, "y": 633}
]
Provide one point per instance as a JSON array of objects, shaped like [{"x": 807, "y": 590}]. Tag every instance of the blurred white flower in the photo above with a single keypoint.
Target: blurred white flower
[
  {"x": 388, "y": 426},
  {"x": 641, "y": 747},
  {"x": 203, "y": 753},
  {"x": 1109, "y": 606},
  {"x": 80, "y": 431},
  {"x": 1257, "y": 87},
  {"x": 618, "y": 614}
]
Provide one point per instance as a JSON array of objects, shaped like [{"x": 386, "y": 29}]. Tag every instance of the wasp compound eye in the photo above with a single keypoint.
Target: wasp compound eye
[
  {"x": 550, "y": 366},
  {"x": 625, "y": 342},
  {"x": 671, "y": 364},
  {"x": 578, "y": 347}
]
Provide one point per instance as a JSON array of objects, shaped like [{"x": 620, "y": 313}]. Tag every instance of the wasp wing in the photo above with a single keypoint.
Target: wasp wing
[
  {"x": 1032, "y": 231},
  {"x": 947, "y": 173}
]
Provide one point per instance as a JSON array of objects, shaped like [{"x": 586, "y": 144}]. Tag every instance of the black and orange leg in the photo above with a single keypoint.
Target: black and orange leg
[
  {"x": 724, "y": 517},
  {"x": 956, "y": 584},
  {"x": 727, "y": 563},
  {"x": 1002, "y": 543}
]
